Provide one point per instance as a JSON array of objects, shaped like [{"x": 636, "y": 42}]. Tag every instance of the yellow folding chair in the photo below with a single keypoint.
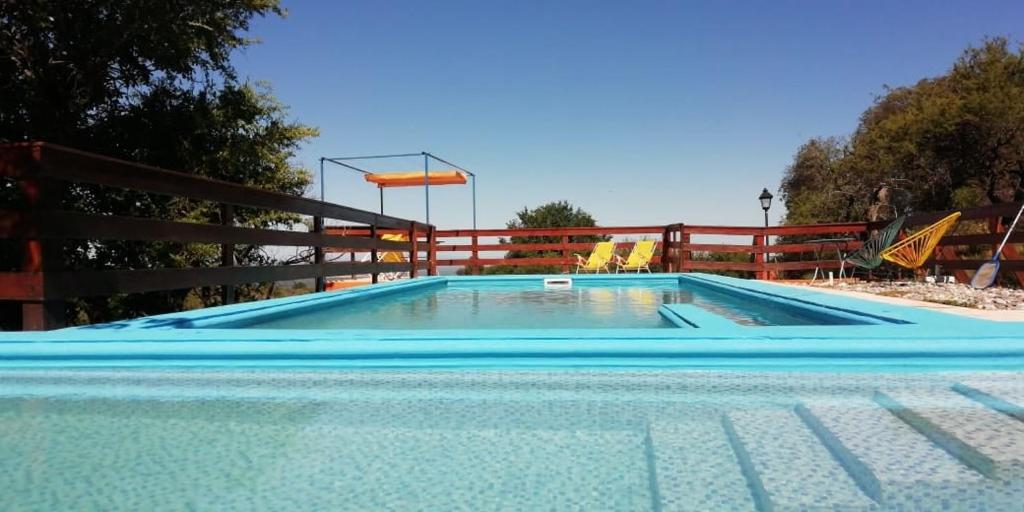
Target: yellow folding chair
[
  {"x": 393, "y": 256},
  {"x": 639, "y": 258},
  {"x": 599, "y": 258},
  {"x": 914, "y": 251}
]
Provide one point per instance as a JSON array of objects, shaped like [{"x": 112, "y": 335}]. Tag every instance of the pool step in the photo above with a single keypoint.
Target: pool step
[
  {"x": 1005, "y": 397},
  {"x": 690, "y": 471},
  {"x": 787, "y": 467},
  {"x": 689, "y": 315},
  {"x": 982, "y": 438},
  {"x": 890, "y": 461}
]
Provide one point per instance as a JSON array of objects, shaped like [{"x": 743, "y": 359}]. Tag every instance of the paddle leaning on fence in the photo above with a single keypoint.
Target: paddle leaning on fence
[{"x": 986, "y": 274}]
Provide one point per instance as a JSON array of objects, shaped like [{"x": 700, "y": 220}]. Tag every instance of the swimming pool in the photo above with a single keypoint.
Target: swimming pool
[
  {"x": 530, "y": 304},
  {"x": 681, "y": 392}
]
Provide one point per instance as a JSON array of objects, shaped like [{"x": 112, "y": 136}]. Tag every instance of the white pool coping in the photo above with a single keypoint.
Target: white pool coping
[{"x": 995, "y": 315}]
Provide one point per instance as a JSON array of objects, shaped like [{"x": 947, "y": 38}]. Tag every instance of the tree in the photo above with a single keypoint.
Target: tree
[
  {"x": 150, "y": 82},
  {"x": 953, "y": 141},
  {"x": 556, "y": 214},
  {"x": 816, "y": 168}
]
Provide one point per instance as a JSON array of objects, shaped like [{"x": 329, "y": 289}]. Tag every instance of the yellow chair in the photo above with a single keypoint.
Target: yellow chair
[
  {"x": 914, "y": 251},
  {"x": 639, "y": 258},
  {"x": 599, "y": 258},
  {"x": 393, "y": 256}
]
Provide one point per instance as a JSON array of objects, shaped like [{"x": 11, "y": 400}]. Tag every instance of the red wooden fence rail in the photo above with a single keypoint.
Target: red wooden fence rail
[
  {"x": 961, "y": 250},
  {"x": 43, "y": 171},
  {"x": 562, "y": 252},
  {"x": 675, "y": 254}
]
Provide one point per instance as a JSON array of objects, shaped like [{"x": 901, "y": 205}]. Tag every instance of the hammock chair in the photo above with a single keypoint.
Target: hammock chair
[
  {"x": 869, "y": 256},
  {"x": 912, "y": 252}
]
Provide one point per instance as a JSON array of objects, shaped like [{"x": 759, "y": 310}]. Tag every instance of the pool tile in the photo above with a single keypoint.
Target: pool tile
[{"x": 797, "y": 472}]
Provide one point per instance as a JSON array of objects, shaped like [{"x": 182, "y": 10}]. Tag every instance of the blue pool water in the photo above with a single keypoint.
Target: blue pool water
[
  {"x": 528, "y": 304},
  {"x": 498, "y": 440},
  {"x": 484, "y": 394}
]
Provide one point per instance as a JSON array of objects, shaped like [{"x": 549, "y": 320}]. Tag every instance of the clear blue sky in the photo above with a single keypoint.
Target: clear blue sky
[{"x": 639, "y": 112}]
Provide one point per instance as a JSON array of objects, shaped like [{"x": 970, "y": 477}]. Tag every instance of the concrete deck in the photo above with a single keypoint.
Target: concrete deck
[{"x": 981, "y": 314}]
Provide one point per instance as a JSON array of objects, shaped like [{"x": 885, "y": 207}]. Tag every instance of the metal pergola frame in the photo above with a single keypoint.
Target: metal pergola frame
[{"x": 427, "y": 157}]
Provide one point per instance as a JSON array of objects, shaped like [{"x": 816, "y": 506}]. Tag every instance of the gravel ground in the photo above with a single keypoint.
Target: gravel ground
[{"x": 951, "y": 294}]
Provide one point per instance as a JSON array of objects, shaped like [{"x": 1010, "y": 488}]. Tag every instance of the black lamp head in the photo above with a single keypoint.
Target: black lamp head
[{"x": 766, "y": 199}]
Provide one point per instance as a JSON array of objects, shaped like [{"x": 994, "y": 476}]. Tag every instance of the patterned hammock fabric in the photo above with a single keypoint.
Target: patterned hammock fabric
[
  {"x": 869, "y": 256},
  {"x": 914, "y": 251}
]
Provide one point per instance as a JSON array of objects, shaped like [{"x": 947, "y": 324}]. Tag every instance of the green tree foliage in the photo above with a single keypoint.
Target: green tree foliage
[
  {"x": 809, "y": 188},
  {"x": 953, "y": 141},
  {"x": 556, "y": 214},
  {"x": 733, "y": 257},
  {"x": 150, "y": 82}
]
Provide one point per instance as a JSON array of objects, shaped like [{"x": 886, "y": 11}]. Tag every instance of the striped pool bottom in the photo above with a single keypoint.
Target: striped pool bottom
[{"x": 108, "y": 439}]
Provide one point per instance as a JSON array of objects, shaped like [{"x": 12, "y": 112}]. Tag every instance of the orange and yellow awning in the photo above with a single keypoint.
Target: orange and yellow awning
[{"x": 415, "y": 178}]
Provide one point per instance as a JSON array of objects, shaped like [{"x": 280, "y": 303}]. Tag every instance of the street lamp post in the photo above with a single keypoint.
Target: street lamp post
[{"x": 766, "y": 203}]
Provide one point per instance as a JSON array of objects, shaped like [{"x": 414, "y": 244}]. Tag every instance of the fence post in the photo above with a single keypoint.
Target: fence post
[
  {"x": 227, "y": 253},
  {"x": 683, "y": 255},
  {"x": 474, "y": 255},
  {"x": 414, "y": 251},
  {"x": 666, "y": 242},
  {"x": 41, "y": 256},
  {"x": 760, "y": 258},
  {"x": 318, "y": 255},
  {"x": 565, "y": 254},
  {"x": 995, "y": 226},
  {"x": 1010, "y": 252},
  {"x": 374, "y": 273},
  {"x": 431, "y": 251}
]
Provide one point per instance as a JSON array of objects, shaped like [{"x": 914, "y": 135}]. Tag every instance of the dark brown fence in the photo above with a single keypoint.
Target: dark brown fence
[
  {"x": 758, "y": 250},
  {"x": 764, "y": 259},
  {"x": 676, "y": 250},
  {"x": 559, "y": 253},
  {"x": 962, "y": 250},
  {"x": 419, "y": 245},
  {"x": 43, "y": 171}
]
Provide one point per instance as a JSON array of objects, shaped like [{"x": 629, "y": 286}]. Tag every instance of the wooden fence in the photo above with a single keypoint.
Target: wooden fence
[
  {"x": 43, "y": 172},
  {"x": 676, "y": 250},
  {"x": 765, "y": 252},
  {"x": 420, "y": 246},
  {"x": 555, "y": 253}
]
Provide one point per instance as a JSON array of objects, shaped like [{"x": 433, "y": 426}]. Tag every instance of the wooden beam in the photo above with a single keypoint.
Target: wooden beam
[
  {"x": 684, "y": 256},
  {"x": 666, "y": 249},
  {"x": 43, "y": 256},
  {"x": 973, "y": 264},
  {"x": 57, "y": 162},
  {"x": 22, "y": 286},
  {"x": 762, "y": 249},
  {"x": 227, "y": 253},
  {"x": 86, "y": 283},
  {"x": 981, "y": 239},
  {"x": 792, "y": 230},
  {"x": 552, "y": 247},
  {"x": 83, "y": 226},
  {"x": 320, "y": 282},
  {"x": 516, "y": 262},
  {"x": 414, "y": 251},
  {"x": 553, "y": 232}
]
